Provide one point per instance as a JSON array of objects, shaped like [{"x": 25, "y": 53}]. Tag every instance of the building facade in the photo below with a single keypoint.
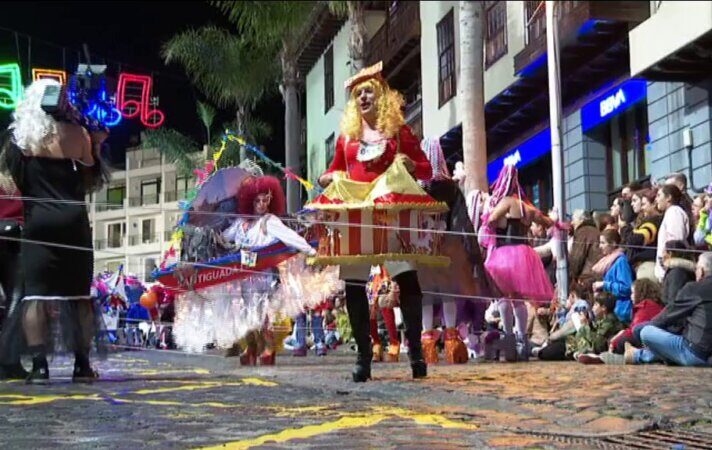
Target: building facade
[
  {"x": 629, "y": 115},
  {"x": 133, "y": 216}
]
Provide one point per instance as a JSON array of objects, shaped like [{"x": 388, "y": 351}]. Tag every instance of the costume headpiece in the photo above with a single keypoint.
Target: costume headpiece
[{"x": 365, "y": 74}]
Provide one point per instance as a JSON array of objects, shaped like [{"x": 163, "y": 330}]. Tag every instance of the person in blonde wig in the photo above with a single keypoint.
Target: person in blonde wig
[
  {"x": 373, "y": 136},
  {"x": 54, "y": 162}
]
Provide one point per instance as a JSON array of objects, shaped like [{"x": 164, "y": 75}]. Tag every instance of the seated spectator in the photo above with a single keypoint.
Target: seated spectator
[
  {"x": 642, "y": 242},
  {"x": 592, "y": 335},
  {"x": 647, "y": 305},
  {"x": 583, "y": 250},
  {"x": 703, "y": 229},
  {"x": 675, "y": 225},
  {"x": 692, "y": 307},
  {"x": 679, "y": 180},
  {"x": 605, "y": 221},
  {"x": 679, "y": 266},
  {"x": 617, "y": 274}
]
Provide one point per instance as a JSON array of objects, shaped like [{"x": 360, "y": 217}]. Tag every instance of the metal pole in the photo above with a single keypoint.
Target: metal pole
[{"x": 557, "y": 160}]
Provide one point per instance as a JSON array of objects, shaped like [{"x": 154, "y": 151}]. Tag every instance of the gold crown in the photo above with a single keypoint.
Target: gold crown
[{"x": 365, "y": 74}]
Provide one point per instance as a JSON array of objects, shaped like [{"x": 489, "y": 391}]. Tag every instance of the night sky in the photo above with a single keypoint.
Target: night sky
[{"x": 126, "y": 36}]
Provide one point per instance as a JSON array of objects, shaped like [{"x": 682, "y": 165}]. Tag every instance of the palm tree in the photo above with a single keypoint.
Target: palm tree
[
  {"x": 229, "y": 70},
  {"x": 276, "y": 28},
  {"x": 471, "y": 95},
  {"x": 358, "y": 38}
]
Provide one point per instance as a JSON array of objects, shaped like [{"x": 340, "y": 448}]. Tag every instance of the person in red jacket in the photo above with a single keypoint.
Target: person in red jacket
[
  {"x": 647, "y": 303},
  {"x": 374, "y": 136}
]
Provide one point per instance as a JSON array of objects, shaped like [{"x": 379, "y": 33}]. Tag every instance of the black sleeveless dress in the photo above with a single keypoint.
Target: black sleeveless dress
[{"x": 60, "y": 266}]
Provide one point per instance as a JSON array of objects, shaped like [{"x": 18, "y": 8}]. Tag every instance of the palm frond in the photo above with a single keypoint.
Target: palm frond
[
  {"x": 339, "y": 9},
  {"x": 268, "y": 23},
  {"x": 177, "y": 148},
  {"x": 227, "y": 69},
  {"x": 207, "y": 116}
]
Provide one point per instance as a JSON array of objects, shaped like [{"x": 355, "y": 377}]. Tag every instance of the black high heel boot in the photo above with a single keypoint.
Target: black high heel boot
[
  {"x": 40, "y": 370},
  {"x": 83, "y": 372},
  {"x": 411, "y": 300},
  {"x": 362, "y": 370},
  {"x": 357, "y": 307}
]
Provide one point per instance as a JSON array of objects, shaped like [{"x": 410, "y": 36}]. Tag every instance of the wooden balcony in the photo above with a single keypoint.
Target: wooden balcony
[
  {"x": 577, "y": 19},
  {"x": 398, "y": 40}
]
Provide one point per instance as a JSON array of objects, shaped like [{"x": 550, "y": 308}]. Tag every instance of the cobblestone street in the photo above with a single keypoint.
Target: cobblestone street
[{"x": 161, "y": 400}]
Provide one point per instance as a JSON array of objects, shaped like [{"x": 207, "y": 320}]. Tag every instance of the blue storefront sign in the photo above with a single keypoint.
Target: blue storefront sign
[
  {"x": 613, "y": 102},
  {"x": 604, "y": 107},
  {"x": 524, "y": 154}
]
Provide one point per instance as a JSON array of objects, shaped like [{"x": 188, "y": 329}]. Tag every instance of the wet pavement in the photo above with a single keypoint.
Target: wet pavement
[{"x": 158, "y": 399}]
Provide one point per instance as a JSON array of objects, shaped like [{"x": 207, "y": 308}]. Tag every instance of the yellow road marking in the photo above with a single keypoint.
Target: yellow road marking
[
  {"x": 348, "y": 421},
  {"x": 305, "y": 432}
]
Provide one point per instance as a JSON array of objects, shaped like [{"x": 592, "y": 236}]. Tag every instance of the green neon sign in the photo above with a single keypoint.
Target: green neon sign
[{"x": 10, "y": 85}]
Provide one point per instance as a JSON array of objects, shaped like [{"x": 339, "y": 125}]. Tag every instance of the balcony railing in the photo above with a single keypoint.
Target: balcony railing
[
  {"x": 101, "y": 207},
  {"x": 139, "y": 239},
  {"x": 572, "y": 16},
  {"x": 150, "y": 199},
  {"x": 402, "y": 25}
]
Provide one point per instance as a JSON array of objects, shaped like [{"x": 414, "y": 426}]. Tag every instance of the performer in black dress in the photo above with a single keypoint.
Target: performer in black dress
[{"x": 53, "y": 161}]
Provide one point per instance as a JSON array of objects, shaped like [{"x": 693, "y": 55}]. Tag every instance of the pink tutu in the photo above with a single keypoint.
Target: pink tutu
[{"x": 518, "y": 272}]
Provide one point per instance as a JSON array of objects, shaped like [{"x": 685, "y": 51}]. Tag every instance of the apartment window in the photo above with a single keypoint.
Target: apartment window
[
  {"x": 115, "y": 233},
  {"x": 148, "y": 231},
  {"x": 115, "y": 195},
  {"x": 535, "y": 20},
  {"x": 150, "y": 191},
  {"x": 182, "y": 186},
  {"x": 329, "y": 79},
  {"x": 446, "y": 58},
  {"x": 496, "y": 26},
  {"x": 330, "y": 147}
]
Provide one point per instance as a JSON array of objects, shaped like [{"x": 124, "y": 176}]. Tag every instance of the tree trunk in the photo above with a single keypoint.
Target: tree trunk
[
  {"x": 358, "y": 37},
  {"x": 471, "y": 95},
  {"x": 291, "y": 125}
]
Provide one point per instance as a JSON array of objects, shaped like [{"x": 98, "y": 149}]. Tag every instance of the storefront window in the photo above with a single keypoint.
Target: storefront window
[{"x": 624, "y": 137}]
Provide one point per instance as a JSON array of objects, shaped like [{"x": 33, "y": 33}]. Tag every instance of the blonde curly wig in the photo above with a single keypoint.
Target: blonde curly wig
[{"x": 389, "y": 107}]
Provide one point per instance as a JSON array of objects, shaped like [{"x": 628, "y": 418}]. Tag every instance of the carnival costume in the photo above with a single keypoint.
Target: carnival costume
[
  {"x": 455, "y": 288},
  {"x": 514, "y": 267},
  {"x": 371, "y": 197},
  {"x": 262, "y": 281},
  {"x": 56, "y": 250}
]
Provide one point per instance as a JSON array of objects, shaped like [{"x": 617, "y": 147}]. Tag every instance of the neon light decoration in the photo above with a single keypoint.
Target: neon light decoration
[
  {"x": 52, "y": 74},
  {"x": 133, "y": 99},
  {"x": 94, "y": 104},
  {"x": 10, "y": 85}
]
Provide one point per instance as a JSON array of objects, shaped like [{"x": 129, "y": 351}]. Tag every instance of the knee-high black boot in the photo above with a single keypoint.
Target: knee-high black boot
[
  {"x": 411, "y": 304},
  {"x": 357, "y": 306}
]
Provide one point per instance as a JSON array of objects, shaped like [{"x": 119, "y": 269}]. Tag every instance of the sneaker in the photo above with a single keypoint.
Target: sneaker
[
  {"x": 299, "y": 351},
  {"x": 629, "y": 354},
  {"x": 611, "y": 358},
  {"x": 40, "y": 371},
  {"x": 589, "y": 358},
  {"x": 320, "y": 350}
]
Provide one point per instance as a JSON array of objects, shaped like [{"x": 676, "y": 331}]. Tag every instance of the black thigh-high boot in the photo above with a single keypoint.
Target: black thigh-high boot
[
  {"x": 411, "y": 304},
  {"x": 357, "y": 306}
]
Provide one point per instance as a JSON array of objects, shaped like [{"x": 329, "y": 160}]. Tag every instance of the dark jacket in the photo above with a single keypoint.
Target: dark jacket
[
  {"x": 692, "y": 307},
  {"x": 584, "y": 253},
  {"x": 679, "y": 272}
]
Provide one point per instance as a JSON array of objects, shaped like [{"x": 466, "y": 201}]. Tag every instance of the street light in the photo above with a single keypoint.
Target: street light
[{"x": 557, "y": 160}]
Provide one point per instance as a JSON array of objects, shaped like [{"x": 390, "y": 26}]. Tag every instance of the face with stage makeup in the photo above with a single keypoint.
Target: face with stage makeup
[{"x": 261, "y": 203}]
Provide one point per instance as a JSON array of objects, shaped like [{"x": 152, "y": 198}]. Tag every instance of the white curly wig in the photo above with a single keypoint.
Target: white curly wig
[{"x": 32, "y": 127}]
